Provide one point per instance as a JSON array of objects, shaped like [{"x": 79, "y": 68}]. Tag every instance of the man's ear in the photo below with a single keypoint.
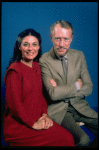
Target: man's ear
[
  {"x": 71, "y": 38},
  {"x": 51, "y": 36}
]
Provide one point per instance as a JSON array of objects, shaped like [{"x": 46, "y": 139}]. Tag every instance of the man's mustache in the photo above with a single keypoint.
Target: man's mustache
[{"x": 62, "y": 48}]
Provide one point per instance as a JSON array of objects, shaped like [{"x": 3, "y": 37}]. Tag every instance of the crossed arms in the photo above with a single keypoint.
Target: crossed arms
[{"x": 57, "y": 91}]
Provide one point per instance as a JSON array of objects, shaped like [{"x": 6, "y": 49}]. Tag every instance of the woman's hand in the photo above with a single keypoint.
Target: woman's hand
[
  {"x": 53, "y": 83},
  {"x": 38, "y": 125},
  {"x": 44, "y": 122},
  {"x": 48, "y": 121}
]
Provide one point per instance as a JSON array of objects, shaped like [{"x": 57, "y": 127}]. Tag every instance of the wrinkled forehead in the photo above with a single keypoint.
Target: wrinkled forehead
[{"x": 63, "y": 32}]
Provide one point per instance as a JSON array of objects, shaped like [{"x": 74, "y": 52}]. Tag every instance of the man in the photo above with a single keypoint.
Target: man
[{"x": 67, "y": 82}]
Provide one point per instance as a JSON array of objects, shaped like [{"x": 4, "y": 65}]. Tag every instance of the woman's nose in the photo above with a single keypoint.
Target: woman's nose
[{"x": 30, "y": 47}]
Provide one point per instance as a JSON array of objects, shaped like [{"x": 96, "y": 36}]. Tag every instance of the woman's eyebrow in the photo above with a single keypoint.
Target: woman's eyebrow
[{"x": 25, "y": 42}]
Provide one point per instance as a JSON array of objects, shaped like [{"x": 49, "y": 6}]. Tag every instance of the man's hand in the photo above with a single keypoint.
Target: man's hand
[
  {"x": 53, "y": 83},
  {"x": 80, "y": 82},
  {"x": 44, "y": 122}
]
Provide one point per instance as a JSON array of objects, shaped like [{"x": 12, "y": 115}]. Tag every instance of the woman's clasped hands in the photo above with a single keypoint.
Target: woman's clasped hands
[{"x": 44, "y": 122}]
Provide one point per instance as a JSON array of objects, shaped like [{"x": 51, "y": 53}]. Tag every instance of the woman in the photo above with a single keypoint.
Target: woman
[{"x": 26, "y": 122}]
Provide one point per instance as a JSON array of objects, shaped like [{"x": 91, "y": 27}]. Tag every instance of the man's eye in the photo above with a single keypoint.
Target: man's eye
[
  {"x": 57, "y": 39},
  {"x": 66, "y": 39}
]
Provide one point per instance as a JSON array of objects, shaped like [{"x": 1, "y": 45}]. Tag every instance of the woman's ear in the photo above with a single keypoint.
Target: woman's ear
[
  {"x": 19, "y": 47},
  {"x": 39, "y": 46}
]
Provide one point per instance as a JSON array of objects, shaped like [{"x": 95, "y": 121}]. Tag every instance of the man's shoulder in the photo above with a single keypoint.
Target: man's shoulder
[
  {"x": 75, "y": 51},
  {"x": 48, "y": 55},
  {"x": 45, "y": 56}
]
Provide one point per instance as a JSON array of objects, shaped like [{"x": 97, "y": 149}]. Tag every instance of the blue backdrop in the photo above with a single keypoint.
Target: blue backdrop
[{"x": 18, "y": 16}]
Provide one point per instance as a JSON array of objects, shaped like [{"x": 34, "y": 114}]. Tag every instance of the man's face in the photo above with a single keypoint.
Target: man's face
[{"x": 61, "y": 39}]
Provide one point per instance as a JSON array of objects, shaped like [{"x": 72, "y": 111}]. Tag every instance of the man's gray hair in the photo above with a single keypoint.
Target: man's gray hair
[{"x": 63, "y": 24}]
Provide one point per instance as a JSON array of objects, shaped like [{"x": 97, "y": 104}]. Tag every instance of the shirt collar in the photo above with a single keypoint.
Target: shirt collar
[{"x": 66, "y": 56}]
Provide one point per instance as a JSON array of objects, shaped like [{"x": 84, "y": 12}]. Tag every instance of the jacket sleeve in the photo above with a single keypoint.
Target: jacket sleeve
[
  {"x": 14, "y": 98},
  {"x": 59, "y": 92},
  {"x": 87, "y": 86}
]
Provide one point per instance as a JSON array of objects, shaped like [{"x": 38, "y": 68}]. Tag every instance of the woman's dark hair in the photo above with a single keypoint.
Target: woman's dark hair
[{"x": 17, "y": 55}]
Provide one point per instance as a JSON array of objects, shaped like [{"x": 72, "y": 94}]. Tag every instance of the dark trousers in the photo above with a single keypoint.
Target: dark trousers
[{"x": 69, "y": 122}]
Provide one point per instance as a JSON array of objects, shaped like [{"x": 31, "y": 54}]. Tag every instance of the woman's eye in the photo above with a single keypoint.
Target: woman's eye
[
  {"x": 25, "y": 44},
  {"x": 35, "y": 45}
]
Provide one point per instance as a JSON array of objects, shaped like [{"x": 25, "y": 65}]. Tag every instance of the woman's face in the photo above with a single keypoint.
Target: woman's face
[{"x": 29, "y": 47}]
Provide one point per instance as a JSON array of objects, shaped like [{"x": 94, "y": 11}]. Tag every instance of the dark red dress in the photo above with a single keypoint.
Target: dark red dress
[{"x": 24, "y": 106}]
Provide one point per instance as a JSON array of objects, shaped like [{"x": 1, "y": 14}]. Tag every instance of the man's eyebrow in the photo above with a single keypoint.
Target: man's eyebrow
[
  {"x": 57, "y": 37},
  {"x": 66, "y": 38}
]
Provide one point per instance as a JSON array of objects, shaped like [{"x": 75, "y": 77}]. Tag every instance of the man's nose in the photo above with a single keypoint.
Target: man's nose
[{"x": 61, "y": 42}]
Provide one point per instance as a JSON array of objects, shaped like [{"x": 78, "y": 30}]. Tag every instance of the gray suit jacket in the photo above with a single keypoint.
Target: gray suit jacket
[{"x": 51, "y": 67}]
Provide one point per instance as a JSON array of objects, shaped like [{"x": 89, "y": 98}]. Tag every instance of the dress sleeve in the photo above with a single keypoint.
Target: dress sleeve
[{"x": 14, "y": 99}]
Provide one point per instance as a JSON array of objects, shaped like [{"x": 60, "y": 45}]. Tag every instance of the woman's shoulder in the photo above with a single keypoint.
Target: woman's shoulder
[{"x": 13, "y": 67}]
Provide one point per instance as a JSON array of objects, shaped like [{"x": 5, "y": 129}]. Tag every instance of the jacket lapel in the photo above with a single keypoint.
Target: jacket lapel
[
  {"x": 58, "y": 66},
  {"x": 71, "y": 66},
  {"x": 56, "y": 63}
]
